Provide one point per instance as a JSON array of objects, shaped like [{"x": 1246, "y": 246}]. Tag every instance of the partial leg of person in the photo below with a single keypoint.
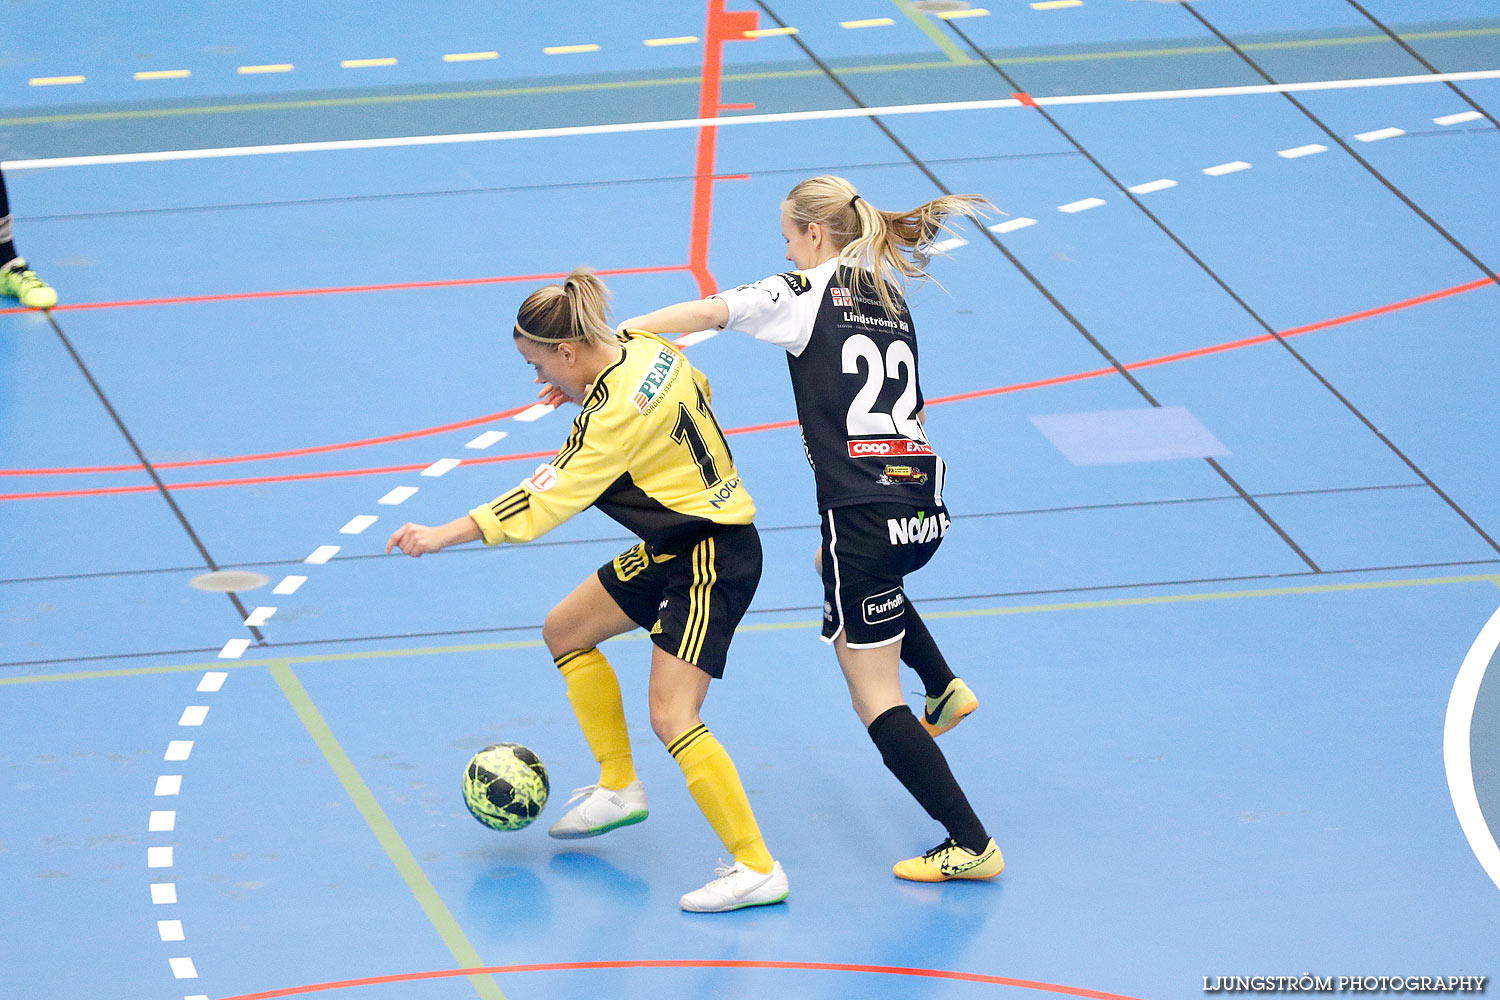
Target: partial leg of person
[
  {"x": 911, "y": 754},
  {"x": 573, "y": 631},
  {"x": 949, "y": 699},
  {"x": 755, "y": 878},
  {"x": 17, "y": 279}
]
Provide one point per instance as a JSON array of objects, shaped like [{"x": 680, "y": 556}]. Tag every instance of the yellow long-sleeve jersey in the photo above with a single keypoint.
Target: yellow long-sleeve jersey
[{"x": 646, "y": 450}]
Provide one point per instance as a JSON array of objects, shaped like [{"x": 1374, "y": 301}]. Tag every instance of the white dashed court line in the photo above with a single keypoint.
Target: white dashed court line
[
  {"x": 676, "y": 40},
  {"x": 1011, "y": 225},
  {"x": 869, "y": 22},
  {"x": 568, "y": 50},
  {"x": 161, "y": 821},
  {"x": 234, "y": 649},
  {"x": 1082, "y": 205},
  {"x": 1297, "y": 152},
  {"x": 212, "y": 681},
  {"x": 535, "y": 411},
  {"x": 943, "y": 246},
  {"x": 183, "y": 968},
  {"x": 323, "y": 553},
  {"x": 1458, "y": 119},
  {"x": 158, "y": 857},
  {"x": 170, "y": 930},
  {"x": 1380, "y": 133},
  {"x": 54, "y": 81},
  {"x": 697, "y": 337},
  {"x": 178, "y": 750},
  {"x": 954, "y": 15},
  {"x": 358, "y": 524},
  {"x": 168, "y": 784},
  {"x": 1232, "y": 167},
  {"x": 441, "y": 467},
  {"x": 470, "y": 56},
  {"x": 486, "y": 439},
  {"x": 164, "y": 893},
  {"x": 259, "y": 616},
  {"x": 1056, "y": 4},
  {"x": 398, "y": 496},
  {"x": 366, "y": 63},
  {"x": 268, "y": 68},
  {"x": 193, "y": 715},
  {"x": 1150, "y": 186},
  {"x": 164, "y": 74},
  {"x": 769, "y": 32},
  {"x": 289, "y": 585}
]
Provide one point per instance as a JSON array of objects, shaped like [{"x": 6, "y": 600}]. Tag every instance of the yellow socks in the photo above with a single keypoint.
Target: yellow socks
[
  {"x": 594, "y": 692},
  {"x": 715, "y": 786}
]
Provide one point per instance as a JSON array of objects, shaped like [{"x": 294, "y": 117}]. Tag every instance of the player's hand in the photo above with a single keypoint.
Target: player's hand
[
  {"x": 550, "y": 394},
  {"x": 415, "y": 540}
]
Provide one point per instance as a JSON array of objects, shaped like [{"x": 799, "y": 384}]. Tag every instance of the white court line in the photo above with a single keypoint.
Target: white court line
[
  {"x": 163, "y": 893},
  {"x": 1233, "y": 167},
  {"x": 193, "y": 715},
  {"x": 441, "y": 467},
  {"x": 322, "y": 554},
  {"x": 696, "y": 337},
  {"x": 178, "y": 750},
  {"x": 1456, "y": 759},
  {"x": 943, "y": 246},
  {"x": 397, "y": 496},
  {"x": 158, "y": 857},
  {"x": 1151, "y": 186},
  {"x": 183, "y": 968},
  {"x": 357, "y": 524},
  {"x": 212, "y": 681},
  {"x": 289, "y": 585},
  {"x": 535, "y": 411},
  {"x": 1297, "y": 152},
  {"x": 259, "y": 616},
  {"x": 234, "y": 649},
  {"x": 168, "y": 784},
  {"x": 1380, "y": 133},
  {"x": 170, "y": 930},
  {"x": 1462, "y": 116},
  {"x": 1011, "y": 225},
  {"x": 740, "y": 120},
  {"x": 1082, "y": 205},
  {"x": 486, "y": 439},
  {"x": 161, "y": 821}
]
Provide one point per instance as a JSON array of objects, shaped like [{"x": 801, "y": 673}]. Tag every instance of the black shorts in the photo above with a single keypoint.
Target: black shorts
[
  {"x": 689, "y": 601},
  {"x": 867, "y": 550}
]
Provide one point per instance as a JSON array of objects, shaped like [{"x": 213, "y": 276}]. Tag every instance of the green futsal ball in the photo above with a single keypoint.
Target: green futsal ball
[{"x": 505, "y": 786}]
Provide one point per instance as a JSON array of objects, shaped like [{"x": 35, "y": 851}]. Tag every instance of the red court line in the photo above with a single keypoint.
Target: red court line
[
  {"x": 342, "y": 290},
  {"x": 1198, "y": 352},
  {"x": 885, "y": 970}
]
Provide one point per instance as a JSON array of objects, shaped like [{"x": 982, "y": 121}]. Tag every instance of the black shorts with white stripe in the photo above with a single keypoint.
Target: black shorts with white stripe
[
  {"x": 691, "y": 600},
  {"x": 867, "y": 551}
]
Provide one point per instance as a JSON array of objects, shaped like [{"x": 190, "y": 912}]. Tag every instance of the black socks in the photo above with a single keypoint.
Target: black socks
[
  {"x": 919, "y": 652},
  {"x": 914, "y": 758}
]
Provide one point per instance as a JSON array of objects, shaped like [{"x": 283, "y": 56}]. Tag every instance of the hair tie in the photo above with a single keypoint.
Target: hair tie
[{"x": 853, "y": 200}]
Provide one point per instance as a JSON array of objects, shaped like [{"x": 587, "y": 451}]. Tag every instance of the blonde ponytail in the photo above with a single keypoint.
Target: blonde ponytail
[
  {"x": 886, "y": 246},
  {"x": 575, "y": 311}
]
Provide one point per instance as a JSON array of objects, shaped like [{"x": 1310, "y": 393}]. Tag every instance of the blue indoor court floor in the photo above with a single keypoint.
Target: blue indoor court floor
[{"x": 1216, "y": 393}]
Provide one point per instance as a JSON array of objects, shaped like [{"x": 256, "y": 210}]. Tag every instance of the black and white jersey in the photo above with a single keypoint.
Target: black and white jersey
[{"x": 854, "y": 375}]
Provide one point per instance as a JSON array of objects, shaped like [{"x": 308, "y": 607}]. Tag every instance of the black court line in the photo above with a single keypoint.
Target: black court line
[
  {"x": 1238, "y": 299},
  {"x": 1040, "y": 287},
  {"x": 150, "y": 469},
  {"x": 1419, "y": 58},
  {"x": 801, "y": 609},
  {"x": 773, "y": 529},
  {"x": 508, "y": 189}
]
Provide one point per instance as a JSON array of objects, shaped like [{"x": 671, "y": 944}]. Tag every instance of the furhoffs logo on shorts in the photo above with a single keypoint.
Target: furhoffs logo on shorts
[{"x": 884, "y": 606}]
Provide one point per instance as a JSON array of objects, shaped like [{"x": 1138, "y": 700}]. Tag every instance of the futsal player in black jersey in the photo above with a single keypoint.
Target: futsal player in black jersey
[
  {"x": 647, "y": 451},
  {"x": 852, "y": 352}
]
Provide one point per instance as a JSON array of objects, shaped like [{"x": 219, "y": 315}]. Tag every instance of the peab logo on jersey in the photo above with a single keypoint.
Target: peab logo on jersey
[
  {"x": 542, "y": 480},
  {"x": 661, "y": 375},
  {"x": 840, "y": 296},
  {"x": 884, "y": 447},
  {"x": 796, "y": 281},
  {"x": 919, "y": 529},
  {"x": 884, "y": 606}
]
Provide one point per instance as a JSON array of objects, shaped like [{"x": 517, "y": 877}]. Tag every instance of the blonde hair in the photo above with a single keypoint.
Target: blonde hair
[
  {"x": 886, "y": 246},
  {"x": 575, "y": 311}
]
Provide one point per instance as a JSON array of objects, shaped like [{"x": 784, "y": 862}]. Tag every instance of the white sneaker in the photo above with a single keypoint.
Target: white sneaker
[
  {"x": 602, "y": 810},
  {"x": 736, "y": 887}
]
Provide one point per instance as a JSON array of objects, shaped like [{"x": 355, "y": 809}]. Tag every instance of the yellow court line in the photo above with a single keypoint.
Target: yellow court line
[
  {"x": 1018, "y": 609},
  {"x": 268, "y": 68},
  {"x": 565, "y": 50},
  {"x": 869, "y": 22},
  {"x": 769, "y": 32},
  {"x": 163, "y": 74},
  {"x": 470, "y": 56},
  {"x": 1056, "y": 4},
  {"x": 366, "y": 63},
  {"x": 53, "y": 81},
  {"x": 954, "y": 15},
  {"x": 676, "y": 40}
]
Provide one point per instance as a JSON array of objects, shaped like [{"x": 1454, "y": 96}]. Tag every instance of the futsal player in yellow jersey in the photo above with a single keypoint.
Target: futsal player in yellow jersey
[{"x": 647, "y": 451}]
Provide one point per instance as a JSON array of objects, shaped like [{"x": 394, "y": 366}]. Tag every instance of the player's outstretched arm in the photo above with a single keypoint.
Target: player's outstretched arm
[
  {"x": 419, "y": 539},
  {"x": 684, "y": 317}
]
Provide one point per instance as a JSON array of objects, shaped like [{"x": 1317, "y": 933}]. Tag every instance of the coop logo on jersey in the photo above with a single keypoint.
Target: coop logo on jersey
[
  {"x": 543, "y": 479},
  {"x": 840, "y": 296},
  {"x": 660, "y": 376},
  {"x": 884, "y": 606},
  {"x": 916, "y": 530},
  {"x": 887, "y": 447},
  {"x": 797, "y": 282}
]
